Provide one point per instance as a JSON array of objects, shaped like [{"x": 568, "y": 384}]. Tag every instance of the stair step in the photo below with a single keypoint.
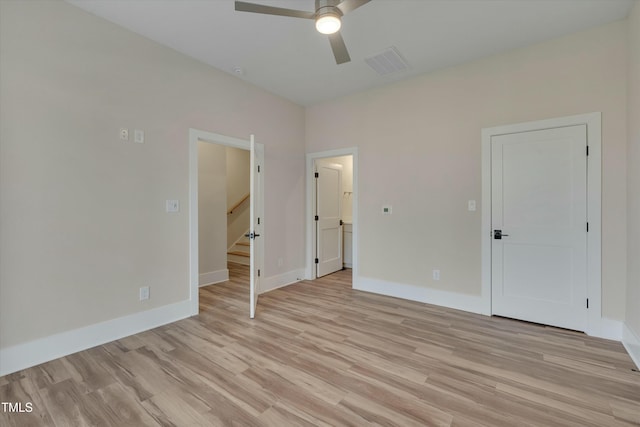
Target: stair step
[
  {"x": 243, "y": 244},
  {"x": 239, "y": 253}
]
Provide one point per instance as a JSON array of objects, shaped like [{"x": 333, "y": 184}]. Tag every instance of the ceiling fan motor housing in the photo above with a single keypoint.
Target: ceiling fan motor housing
[{"x": 328, "y": 7}]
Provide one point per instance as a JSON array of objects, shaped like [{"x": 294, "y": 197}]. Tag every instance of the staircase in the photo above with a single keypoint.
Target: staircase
[{"x": 239, "y": 251}]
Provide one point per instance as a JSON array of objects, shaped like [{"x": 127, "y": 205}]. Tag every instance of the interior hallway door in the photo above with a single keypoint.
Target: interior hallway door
[
  {"x": 256, "y": 202},
  {"x": 328, "y": 217},
  {"x": 539, "y": 226}
]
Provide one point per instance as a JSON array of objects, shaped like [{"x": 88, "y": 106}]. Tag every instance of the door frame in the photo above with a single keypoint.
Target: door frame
[
  {"x": 196, "y": 135},
  {"x": 593, "y": 121},
  {"x": 310, "y": 273}
]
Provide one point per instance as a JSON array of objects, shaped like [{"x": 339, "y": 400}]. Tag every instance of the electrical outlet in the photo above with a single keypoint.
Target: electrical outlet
[
  {"x": 436, "y": 274},
  {"x": 471, "y": 205},
  {"x": 280, "y": 262},
  {"x": 144, "y": 293},
  {"x": 124, "y": 134}
]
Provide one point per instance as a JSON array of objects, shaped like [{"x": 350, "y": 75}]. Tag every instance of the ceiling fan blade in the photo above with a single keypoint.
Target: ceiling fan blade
[
  {"x": 242, "y": 6},
  {"x": 339, "y": 48},
  {"x": 348, "y": 5}
]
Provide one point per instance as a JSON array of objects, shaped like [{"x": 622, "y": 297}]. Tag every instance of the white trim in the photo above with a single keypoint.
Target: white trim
[
  {"x": 213, "y": 277},
  {"x": 281, "y": 280},
  {"x": 194, "y": 273},
  {"x": 470, "y": 303},
  {"x": 485, "y": 229},
  {"x": 311, "y": 158},
  {"x": 608, "y": 329},
  {"x": 42, "y": 350},
  {"x": 596, "y": 326},
  {"x": 196, "y": 135},
  {"x": 631, "y": 342}
]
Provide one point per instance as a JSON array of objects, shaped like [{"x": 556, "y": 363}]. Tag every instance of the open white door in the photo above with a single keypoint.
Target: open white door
[
  {"x": 328, "y": 217},
  {"x": 539, "y": 225},
  {"x": 257, "y": 212}
]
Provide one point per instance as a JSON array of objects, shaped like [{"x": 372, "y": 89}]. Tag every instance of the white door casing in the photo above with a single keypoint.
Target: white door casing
[
  {"x": 329, "y": 250},
  {"x": 310, "y": 210},
  {"x": 256, "y": 233},
  {"x": 539, "y": 203}
]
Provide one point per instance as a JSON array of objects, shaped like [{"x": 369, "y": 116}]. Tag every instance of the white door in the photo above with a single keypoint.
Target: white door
[
  {"x": 539, "y": 206},
  {"x": 256, "y": 208},
  {"x": 328, "y": 217}
]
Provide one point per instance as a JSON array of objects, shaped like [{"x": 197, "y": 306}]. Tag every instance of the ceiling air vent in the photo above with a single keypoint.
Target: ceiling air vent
[{"x": 387, "y": 62}]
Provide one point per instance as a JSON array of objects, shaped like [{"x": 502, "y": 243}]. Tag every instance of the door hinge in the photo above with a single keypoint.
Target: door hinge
[
  {"x": 258, "y": 168},
  {"x": 587, "y": 150},
  {"x": 317, "y": 260},
  {"x": 316, "y": 217},
  {"x": 317, "y": 175},
  {"x": 587, "y": 302},
  {"x": 258, "y": 221},
  {"x": 258, "y": 272},
  {"x": 341, "y": 223},
  {"x": 587, "y": 227}
]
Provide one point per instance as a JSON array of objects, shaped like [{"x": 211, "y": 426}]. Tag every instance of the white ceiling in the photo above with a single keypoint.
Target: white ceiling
[{"x": 286, "y": 56}]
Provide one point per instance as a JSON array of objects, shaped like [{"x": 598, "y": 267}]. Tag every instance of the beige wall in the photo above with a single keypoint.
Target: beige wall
[
  {"x": 212, "y": 207},
  {"x": 633, "y": 168},
  {"x": 238, "y": 164},
  {"x": 82, "y": 214},
  {"x": 419, "y": 151},
  {"x": 238, "y": 174}
]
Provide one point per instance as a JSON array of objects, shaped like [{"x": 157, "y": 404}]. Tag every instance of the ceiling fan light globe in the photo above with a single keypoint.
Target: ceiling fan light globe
[{"x": 328, "y": 24}]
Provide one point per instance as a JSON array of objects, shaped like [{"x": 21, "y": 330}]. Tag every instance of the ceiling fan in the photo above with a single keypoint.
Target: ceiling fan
[{"x": 327, "y": 17}]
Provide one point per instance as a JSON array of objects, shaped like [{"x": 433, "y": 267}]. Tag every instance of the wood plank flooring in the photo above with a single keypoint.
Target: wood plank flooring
[{"x": 322, "y": 354}]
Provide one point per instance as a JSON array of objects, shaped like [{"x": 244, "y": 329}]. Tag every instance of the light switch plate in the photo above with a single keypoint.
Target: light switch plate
[
  {"x": 138, "y": 136},
  {"x": 173, "y": 206}
]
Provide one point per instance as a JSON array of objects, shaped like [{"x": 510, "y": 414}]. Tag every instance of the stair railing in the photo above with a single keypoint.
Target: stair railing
[{"x": 237, "y": 205}]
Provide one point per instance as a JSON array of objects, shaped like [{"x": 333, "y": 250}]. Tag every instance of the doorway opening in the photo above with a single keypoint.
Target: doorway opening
[
  {"x": 223, "y": 210},
  {"x": 210, "y": 230},
  {"x": 332, "y": 212}
]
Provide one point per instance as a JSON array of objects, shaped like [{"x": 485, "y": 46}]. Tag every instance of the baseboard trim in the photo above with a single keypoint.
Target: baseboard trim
[
  {"x": 606, "y": 328},
  {"x": 631, "y": 342},
  {"x": 213, "y": 277},
  {"x": 471, "y": 303},
  {"x": 281, "y": 280},
  {"x": 32, "y": 353}
]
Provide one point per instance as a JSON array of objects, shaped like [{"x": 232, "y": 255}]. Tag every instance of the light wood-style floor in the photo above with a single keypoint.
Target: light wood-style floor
[{"x": 320, "y": 353}]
